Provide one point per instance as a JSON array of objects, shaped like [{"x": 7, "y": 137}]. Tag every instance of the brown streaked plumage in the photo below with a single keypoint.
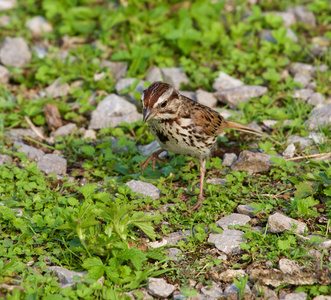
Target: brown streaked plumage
[{"x": 183, "y": 126}]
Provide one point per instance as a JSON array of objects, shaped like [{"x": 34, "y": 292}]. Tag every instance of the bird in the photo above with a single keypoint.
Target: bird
[{"x": 183, "y": 126}]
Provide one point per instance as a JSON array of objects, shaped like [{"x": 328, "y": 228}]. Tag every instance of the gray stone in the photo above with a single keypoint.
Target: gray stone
[
  {"x": 321, "y": 116},
  {"x": 66, "y": 277},
  {"x": 217, "y": 181},
  {"x": 41, "y": 51},
  {"x": 154, "y": 74},
  {"x": 233, "y": 290},
  {"x": 17, "y": 134},
  {"x": 18, "y": 212},
  {"x": 246, "y": 210},
  {"x": 14, "y": 52},
  {"x": 159, "y": 287},
  {"x": 213, "y": 292},
  {"x": 280, "y": 223},
  {"x": 174, "y": 253},
  {"x": 31, "y": 153},
  {"x": 225, "y": 82},
  {"x": 316, "y": 99},
  {"x": 288, "y": 17},
  {"x": 174, "y": 76},
  {"x": 240, "y": 94},
  {"x": 252, "y": 162},
  {"x": 4, "y": 19},
  {"x": 301, "y": 68},
  {"x": 56, "y": 89},
  {"x": 288, "y": 266},
  {"x": 321, "y": 297},
  {"x": 303, "y": 142},
  {"x": 150, "y": 148},
  {"x": 296, "y": 296},
  {"x": 229, "y": 159},
  {"x": 111, "y": 111},
  {"x": 144, "y": 188},
  {"x": 228, "y": 275},
  {"x": 304, "y": 16},
  {"x": 315, "y": 254},
  {"x": 5, "y": 159},
  {"x": 65, "y": 130},
  {"x": 7, "y": 4},
  {"x": 228, "y": 241},
  {"x": 189, "y": 94},
  {"x": 90, "y": 134},
  {"x": 52, "y": 164},
  {"x": 325, "y": 245},
  {"x": 254, "y": 126},
  {"x": 303, "y": 94},
  {"x": 263, "y": 291},
  {"x": 319, "y": 69},
  {"x": 126, "y": 83},
  {"x": 174, "y": 237},
  {"x": 4, "y": 75},
  {"x": 270, "y": 123},
  {"x": 118, "y": 69},
  {"x": 303, "y": 79},
  {"x": 289, "y": 151},
  {"x": 318, "y": 50},
  {"x": 290, "y": 34},
  {"x": 38, "y": 25},
  {"x": 232, "y": 220}
]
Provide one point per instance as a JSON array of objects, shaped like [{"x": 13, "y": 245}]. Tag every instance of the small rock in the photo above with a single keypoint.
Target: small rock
[
  {"x": 52, "y": 115},
  {"x": 4, "y": 19},
  {"x": 38, "y": 25},
  {"x": 118, "y": 69},
  {"x": 174, "y": 253},
  {"x": 14, "y": 52},
  {"x": 66, "y": 277},
  {"x": 144, "y": 188},
  {"x": 213, "y": 292},
  {"x": 216, "y": 181},
  {"x": 252, "y": 162},
  {"x": 288, "y": 17},
  {"x": 223, "y": 257},
  {"x": 233, "y": 290},
  {"x": 31, "y": 153},
  {"x": 254, "y": 126},
  {"x": 5, "y": 159},
  {"x": 154, "y": 74},
  {"x": 321, "y": 297},
  {"x": 319, "y": 69},
  {"x": 52, "y": 164},
  {"x": 189, "y": 94},
  {"x": 303, "y": 79},
  {"x": 17, "y": 134},
  {"x": 112, "y": 111},
  {"x": 269, "y": 123},
  {"x": 316, "y": 99},
  {"x": 56, "y": 89},
  {"x": 240, "y": 94},
  {"x": 90, "y": 134},
  {"x": 206, "y": 98},
  {"x": 318, "y": 50},
  {"x": 315, "y": 254},
  {"x": 232, "y": 220},
  {"x": 157, "y": 244},
  {"x": 246, "y": 210},
  {"x": 229, "y": 159},
  {"x": 228, "y": 241},
  {"x": 263, "y": 291},
  {"x": 65, "y": 130},
  {"x": 304, "y": 16},
  {"x": 302, "y": 141},
  {"x": 175, "y": 77},
  {"x": 7, "y": 4},
  {"x": 325, "y": 245},
  {"x": 41, "y": 51},
  {"x": 289, "y": 151},
  {"x": 301, "y": 68},
  {"x": 290, "y": 34},
  {"x": 150, "y": 148},
  {"x": 159, "y": 287},
  {"x": 296, "y": 296},
  {"x": 225, "y": 82},
  {"x": 303, "y": 94},
  {"x": 288, "y": 266},
  {"x": 126, "y": 83},
  {"x": 279, "y": 223},
  {"x": 4, "y": 75},
  {"x": 321, "y": 116},
  {"x": 175, "y": 237},
  {"x": 228, "y": 275}
]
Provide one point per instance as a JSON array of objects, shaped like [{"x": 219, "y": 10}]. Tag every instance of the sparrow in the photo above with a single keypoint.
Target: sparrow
[{"x": 183, "y": 126}]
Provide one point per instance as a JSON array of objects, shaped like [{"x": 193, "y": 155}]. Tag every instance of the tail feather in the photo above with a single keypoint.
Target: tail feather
[{"x": 241, "y": 127}]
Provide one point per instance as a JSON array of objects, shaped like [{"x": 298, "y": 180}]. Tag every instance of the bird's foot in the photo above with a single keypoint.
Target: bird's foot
[
  {"x": 154, "y": 157},
  {"x": 197, "y": 206}
]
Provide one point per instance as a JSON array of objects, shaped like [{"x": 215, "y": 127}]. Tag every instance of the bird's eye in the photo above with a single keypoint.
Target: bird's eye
[{"x": 164, "y": 104}]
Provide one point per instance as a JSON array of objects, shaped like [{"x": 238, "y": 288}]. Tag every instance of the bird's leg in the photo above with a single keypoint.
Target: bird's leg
[
  {"x": 198, "y": 205},
  {"x": 155, "y": 157}
]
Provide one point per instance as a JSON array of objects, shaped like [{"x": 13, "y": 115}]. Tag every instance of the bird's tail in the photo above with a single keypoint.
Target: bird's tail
[{"x": 241, "y": 127}]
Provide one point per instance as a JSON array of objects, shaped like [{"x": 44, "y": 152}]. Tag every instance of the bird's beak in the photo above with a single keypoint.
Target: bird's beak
[{"x": 147, "y": 114}]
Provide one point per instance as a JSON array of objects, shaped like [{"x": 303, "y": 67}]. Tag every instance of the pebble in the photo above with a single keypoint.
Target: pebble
[
  {"x": 228, "y": 275},
  {"x": 263, "y": 291},
  {"x": 322, "y": 297},
  {"x": 174, "y": 253},
  {"x": 303, "y": 94},
  {"x": 174, "y": 76},
  {"x": 229, "y": 159},
  {"x": 303, "y": 79},
  {"x": 217, "y": 181},
  {"x": 302, "y": 141},
  {"x": 7, "y": 4},
  {"x": 301, "y": 68},
  {"x": 246, "y": 210},
  {"x": 252, "y": 162},
  {"x": 304, "y": 16},
  {"x": 174, "y": 237},
  {"x": 225, "y": 82},
  {"x": 288, "y": 17},
  {"x": 154, "y": 74},
  {"x": 4, "y": 20},
  {"x": 288, "y": 266},
  {"x": 52, "y": 164},
  {"x": 213, "y": 292},
  {"x": 64, "y": 130},
  {"x": 233, "y": 290},
  {"x": 118, "y": 69},
  {"x": 112, "y": 111},
  {"x": 5, "y": 159},
  {"x": 38, "y": 25},
  {"x": 4, "y": 75},
  {"x": 90, "y": 134},
  {"x": 14, "y": 52},
  {"x": 144, "y": 188},
  {"x": 159, "y": 287},
  {"x": 126, "y": 83},
  {"x": 66, "y": 277},
  {"x": 296, "y": 296},
  {"x": 189, "y": 94},
  {"x": 321, "y": 116},
  {"x": 56, "y": 89},
  {"x": 234, "y": 96},
  {"x": 228, "y": 241},
  {"x": 289, "y": 151},
  {"x": 316, "y": 99},
  {"x": 32, "y": 154},
  {"x": 280, "y": 223},
  {"x": 232, "y": 220},
  {"x": 150, "y": 148}
]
